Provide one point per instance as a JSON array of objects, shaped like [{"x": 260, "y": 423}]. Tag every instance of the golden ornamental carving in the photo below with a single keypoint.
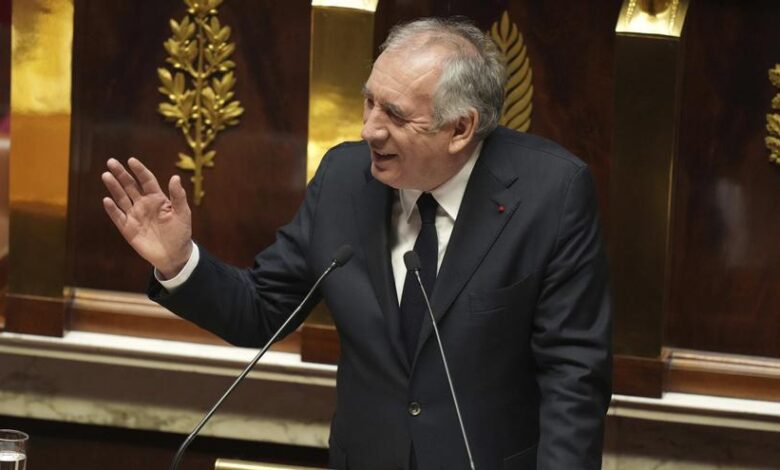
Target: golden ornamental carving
[
  {"x": 773, "y": 119},
  {"x": 519, "y": 88},
  {"x": 199, "y": 86},
  {"x": 654, "y": 8},
  {"x": 652, "y": 17}
]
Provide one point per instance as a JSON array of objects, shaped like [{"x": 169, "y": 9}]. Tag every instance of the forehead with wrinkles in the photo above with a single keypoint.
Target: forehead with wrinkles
[{"x": 400, "y": 76}]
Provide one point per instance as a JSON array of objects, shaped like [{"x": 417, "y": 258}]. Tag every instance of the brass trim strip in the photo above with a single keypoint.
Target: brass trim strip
[
  {"x": 706, "y": 360},
  {"x": 641, "y": 176},
  {"x": 341, "y": 55},
  {"x": 225, "y": 464},
  {"x": 365, "y": 5},
  {"x": 114, "y": 301},
  {"x": 41, "y": 54},
  {"x": 727, "y": 375}
]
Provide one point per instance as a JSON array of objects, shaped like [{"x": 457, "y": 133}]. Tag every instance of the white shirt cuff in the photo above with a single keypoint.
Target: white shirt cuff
[{"x": 184, "y": 274}]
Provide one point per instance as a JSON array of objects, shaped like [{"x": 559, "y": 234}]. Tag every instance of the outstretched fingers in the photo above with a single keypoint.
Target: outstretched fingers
[
  {"x": 145, "y": 177},
  {"x": 118, "y": 193},
  {"x": 125, "y": 179},
  {"x": 117, "y": 216},
  {"x": 178, "y": 195}
]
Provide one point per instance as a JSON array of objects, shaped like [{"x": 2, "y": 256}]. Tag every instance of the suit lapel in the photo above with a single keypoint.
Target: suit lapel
[
  {"x": 487, "y": 206},
  {"x": 372, "y": 208}
]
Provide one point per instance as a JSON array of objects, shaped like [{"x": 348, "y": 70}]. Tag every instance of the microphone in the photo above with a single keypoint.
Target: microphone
[
  {"x": 412, "y": 262},
  {"x": 340, "y": 258}
]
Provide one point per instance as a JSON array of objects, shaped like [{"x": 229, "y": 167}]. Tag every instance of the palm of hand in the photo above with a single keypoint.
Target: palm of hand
[
  {"x": 157, "y": 227},
  {"x": 154, "y": 229}
]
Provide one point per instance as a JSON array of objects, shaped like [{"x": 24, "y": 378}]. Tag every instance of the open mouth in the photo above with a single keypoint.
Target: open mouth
[{"x": 382, "y": 156}]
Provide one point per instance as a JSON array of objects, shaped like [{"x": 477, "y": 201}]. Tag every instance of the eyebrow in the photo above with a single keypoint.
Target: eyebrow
[{"x": 390, "y": 107}]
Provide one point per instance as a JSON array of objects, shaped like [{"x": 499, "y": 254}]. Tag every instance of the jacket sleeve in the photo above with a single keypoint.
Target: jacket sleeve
[
  {"x": 246, "y": 306},
  {"x": 572, "y": 337}
]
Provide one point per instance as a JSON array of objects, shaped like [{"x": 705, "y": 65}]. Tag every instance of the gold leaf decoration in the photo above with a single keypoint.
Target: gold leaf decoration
[
  {"x": 199, "y": 85},
  {"x": 773, "y": 120},
  {"x": 519, "y": 88}
]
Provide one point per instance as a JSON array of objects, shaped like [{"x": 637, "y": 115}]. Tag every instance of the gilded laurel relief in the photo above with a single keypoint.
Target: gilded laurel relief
[
  {"x": 519, "y": 88},
  {"x": 198, "y": 85},
  {"x": 773, "y": 119},
  {"x": 658, "y": 16}
]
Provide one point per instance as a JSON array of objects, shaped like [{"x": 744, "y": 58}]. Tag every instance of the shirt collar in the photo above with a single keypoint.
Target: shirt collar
[{"x": 449, "y": 195}]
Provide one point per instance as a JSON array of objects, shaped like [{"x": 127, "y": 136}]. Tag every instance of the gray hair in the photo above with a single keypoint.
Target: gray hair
[{"x": 472, "y": 76}]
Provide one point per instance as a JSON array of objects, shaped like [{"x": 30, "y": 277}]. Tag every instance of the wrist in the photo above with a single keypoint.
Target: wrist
[{"x": 176, "y": 264}]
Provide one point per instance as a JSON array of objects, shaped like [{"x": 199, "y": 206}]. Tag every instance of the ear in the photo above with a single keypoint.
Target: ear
[{"x": 463, "y": 131}]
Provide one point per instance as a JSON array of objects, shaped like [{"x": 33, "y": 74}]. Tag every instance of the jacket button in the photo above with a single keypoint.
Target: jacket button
[{"x": 414, "y": 408}]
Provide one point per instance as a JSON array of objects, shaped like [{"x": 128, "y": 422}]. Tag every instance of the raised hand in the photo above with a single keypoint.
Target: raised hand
[{"x": 159, "y": 228}]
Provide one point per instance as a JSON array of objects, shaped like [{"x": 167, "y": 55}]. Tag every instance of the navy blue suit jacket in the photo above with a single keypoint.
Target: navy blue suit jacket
[{"x": 521, "y": 301}]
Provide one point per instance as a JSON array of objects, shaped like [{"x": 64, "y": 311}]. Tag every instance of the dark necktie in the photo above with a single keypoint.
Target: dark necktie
[{"x": 413, "y": 308}]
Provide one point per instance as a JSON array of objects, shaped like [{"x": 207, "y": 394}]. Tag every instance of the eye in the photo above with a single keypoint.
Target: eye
[
  {"x": 369, "y": 102},
  {"x": 396, "y": 118}
]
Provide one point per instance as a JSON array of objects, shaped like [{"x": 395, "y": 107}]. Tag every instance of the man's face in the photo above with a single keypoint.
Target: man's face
[{"x": 397, "y": 123}]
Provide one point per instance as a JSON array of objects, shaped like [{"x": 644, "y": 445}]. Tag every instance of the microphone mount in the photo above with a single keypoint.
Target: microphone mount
[
  {"x": 341, "y": 257},
  {"x": 412, "y": 262}
]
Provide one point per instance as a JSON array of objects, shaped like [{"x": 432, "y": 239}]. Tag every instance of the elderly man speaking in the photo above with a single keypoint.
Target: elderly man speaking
[{"x": 506, "y": 229}]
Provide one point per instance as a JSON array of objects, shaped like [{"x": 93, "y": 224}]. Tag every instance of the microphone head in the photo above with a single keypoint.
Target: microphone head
[
  {"x": 343, "y": 255},
  {"x": 412, "y": 261}
]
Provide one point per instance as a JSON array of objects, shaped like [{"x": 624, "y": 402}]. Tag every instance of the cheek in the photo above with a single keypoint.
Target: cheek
[{"x": 423, "y": 156}]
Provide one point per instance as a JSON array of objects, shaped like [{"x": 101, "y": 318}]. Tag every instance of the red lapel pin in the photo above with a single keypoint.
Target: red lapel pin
[{"x": 501, "y": 208}]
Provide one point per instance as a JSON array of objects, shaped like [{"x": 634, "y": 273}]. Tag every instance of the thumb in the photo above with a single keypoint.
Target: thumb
[{"x": 178, "y": 195}]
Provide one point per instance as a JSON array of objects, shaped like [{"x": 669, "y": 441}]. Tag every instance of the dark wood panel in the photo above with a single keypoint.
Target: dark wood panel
[
  {"x": 639, "y": 376},
  {"x": 34, "y": 315},
  {"x": 67, "y": 446},
  {"x": 723, "y": 375},
  {"x": 135, "y": 315},
  {"x": 725, "y": 292},
  {"x": 259, "y": 177},
  {"x": 320, "y": 343},
  {"x": 119, "y": 323}
]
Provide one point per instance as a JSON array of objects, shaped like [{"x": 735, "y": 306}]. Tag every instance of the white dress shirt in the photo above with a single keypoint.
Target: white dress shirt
[{"x": 405, "y": 223}]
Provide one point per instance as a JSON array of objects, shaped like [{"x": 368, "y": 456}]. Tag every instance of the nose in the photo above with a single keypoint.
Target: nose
[{"x": 374, "y": 128}]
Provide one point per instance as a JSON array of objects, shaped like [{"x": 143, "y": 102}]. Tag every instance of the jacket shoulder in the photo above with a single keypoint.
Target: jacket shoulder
[
  {"x": 348, "y": 157},
  {"x": 343, "y": 166},
  {"x": 529, "y": 149}
]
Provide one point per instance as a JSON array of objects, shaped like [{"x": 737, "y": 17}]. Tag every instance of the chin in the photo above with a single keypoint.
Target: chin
[{"x": 386, "y": 177}]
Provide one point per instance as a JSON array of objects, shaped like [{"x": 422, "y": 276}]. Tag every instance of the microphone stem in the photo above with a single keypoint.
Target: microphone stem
[
  {"x": 446, "y": 369},
  {"x": 180, "y": 453}
]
